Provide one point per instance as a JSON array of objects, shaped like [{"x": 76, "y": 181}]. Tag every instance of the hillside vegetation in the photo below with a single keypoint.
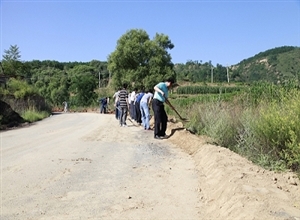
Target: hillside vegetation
[{"x": 276, "y": 65}]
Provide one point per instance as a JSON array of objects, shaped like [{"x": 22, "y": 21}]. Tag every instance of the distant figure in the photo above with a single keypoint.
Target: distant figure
[
  {"x": 117, "y": 104},
  {"x": 103, "y": 103},
  {"x": 65, "y": 106}
]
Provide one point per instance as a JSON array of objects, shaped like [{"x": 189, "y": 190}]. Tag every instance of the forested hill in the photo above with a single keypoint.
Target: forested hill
[{"x": 275, "y": 65}]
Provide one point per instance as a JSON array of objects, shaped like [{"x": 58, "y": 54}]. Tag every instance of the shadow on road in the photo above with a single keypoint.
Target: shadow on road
[{"x": 57, "y": 113}]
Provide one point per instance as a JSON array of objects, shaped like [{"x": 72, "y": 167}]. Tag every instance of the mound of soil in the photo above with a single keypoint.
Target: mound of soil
[
  {"x": 8, "y": 117},
  {"x": 233, "y": 187}
]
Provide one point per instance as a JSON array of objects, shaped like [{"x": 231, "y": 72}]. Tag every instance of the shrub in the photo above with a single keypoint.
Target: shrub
[
  {"x": 278, "y": 129},
  {"x": 33, "y": 115},
  {"x": 248, "y": 143},
  {"x": 262, "y": 124},
  {"x": 214, "y": 120}
]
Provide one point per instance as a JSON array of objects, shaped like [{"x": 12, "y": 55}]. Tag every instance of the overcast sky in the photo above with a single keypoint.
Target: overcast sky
[{"x": 224, "y": 32}]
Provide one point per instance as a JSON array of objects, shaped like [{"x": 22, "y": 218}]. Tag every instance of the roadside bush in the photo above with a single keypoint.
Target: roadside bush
[
  {"x": 261, "y": 124},
  {"x": 278, "y": 129},
  {"x": 269, "y": 132},
  {"x": 214, "y": 120},
  {"x": 248, "y": 143},
  {"x": 32, "y": 115},
  {"x": 3, "y": 91}
]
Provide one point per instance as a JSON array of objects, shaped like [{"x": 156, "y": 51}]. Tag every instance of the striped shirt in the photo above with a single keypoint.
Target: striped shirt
[{"x": 123, "y": 98}]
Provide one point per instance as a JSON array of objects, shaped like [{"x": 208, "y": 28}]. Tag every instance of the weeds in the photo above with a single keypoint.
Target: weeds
[
  {"x": 33, "y": 115},
  {"x": 261, "y": 124}
]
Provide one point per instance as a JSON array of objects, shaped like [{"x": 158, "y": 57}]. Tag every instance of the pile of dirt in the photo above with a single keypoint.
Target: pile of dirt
[
  {"x": 8, "y": 117},
  {"x": 235, "y": 186}
]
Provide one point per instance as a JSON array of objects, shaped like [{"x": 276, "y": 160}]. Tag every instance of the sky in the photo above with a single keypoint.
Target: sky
[{"x": 221, "y": 31}]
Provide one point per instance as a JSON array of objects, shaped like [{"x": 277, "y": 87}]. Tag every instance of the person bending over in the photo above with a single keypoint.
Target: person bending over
[{"x": 160, "y": 116}]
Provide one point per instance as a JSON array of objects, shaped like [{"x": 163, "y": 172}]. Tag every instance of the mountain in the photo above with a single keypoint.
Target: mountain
[{"x": 275, "y": 65}]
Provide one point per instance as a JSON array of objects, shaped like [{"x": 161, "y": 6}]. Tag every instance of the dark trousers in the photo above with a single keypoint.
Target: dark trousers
[
  {"x": 103, "y": 109},
  {"x": 160, "y": 118},
  {"x": 132, "y": 110},
  {"x": 117, "y": 110},
  {"x": 138, "y": 116},
  {"x": 123, "y": 114}
]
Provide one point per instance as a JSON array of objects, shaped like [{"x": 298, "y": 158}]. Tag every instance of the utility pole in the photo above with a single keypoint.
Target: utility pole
[
  {"x": 212, "y": 74},
  {"x": 227, "y": 74},
  {"x": 99, "y": 79},
  {"x": 109, "y": 77}
]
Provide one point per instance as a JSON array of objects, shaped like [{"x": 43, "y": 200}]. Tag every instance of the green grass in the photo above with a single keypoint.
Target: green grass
[
  {"x": 261, "y": 124},
  {"x": 33, "y": 115}
]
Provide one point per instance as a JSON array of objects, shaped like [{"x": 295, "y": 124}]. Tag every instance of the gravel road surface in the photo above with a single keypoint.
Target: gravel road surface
[{"x": 84, "y": 166}]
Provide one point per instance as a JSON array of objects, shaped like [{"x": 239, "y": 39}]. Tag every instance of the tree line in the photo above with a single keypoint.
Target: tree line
[{"x": 140, "y": 62}]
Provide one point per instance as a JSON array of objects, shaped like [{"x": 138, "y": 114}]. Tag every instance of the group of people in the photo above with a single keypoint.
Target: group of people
[{"x": 137, "y": 104}]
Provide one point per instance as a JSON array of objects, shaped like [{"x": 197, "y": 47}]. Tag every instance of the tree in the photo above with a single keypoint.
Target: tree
[
  {"x": 11, "y": 64},
  {"x": 12, "y": 54},
  {"x": 83, "y": 85},
  {"x": 220, "y": 73},
  {"x": 139, "y": 61}
]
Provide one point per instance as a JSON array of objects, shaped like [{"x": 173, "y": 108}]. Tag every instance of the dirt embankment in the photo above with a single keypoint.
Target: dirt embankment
[{"x": 234, "y": 188}]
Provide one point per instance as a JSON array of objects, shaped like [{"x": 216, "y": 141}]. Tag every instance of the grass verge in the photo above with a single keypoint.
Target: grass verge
[{"x": 33, "y": 115}]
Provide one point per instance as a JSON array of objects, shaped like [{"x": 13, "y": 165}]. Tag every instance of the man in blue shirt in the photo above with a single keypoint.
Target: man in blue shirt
[
  {"x": 103, "y": 106},
  {"x": 137, "y": 106},
  {"x": 160, "y": 116}
]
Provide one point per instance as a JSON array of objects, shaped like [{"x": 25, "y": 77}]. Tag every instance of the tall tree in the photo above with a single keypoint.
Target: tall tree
[
  {"x": 11, "y": 62},
  {"x": 139, "y": 61},
  {"x": 12, "y": 54},
  {"x": 83, "y": 85}
]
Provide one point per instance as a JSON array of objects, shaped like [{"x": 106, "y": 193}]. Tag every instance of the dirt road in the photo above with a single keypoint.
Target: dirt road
[{"x": 84, "y": 166}]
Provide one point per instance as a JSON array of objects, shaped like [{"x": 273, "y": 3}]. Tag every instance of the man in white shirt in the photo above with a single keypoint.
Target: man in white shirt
[
  {"x": 131, "y": 104},
  {"x": 117, "y": 104}
]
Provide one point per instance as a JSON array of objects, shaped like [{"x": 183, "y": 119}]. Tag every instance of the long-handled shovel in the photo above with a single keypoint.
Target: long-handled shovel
[{"x": 172, "y": 107}]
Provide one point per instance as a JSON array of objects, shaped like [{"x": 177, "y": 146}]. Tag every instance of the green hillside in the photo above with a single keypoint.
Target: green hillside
[{"x": 275, "y": 65}]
